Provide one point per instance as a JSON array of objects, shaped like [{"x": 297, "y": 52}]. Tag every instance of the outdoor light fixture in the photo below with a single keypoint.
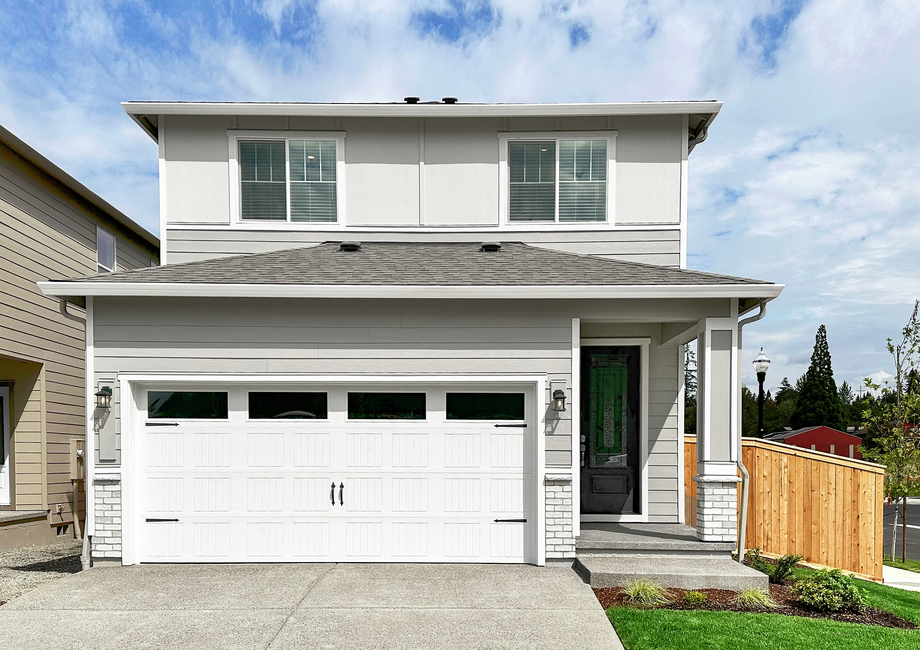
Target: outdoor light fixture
[
  {"x": 104, "y": 398},
  {"x": 558, "y": 400},
  {"x": 761, "y": 363}
]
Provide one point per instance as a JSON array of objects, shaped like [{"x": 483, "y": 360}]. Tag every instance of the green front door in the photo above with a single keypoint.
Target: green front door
[{"x": 610, "y": 432}]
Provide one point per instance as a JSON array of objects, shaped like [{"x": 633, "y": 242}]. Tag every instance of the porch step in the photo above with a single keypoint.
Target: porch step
[
  {"x": 679, "y": 571},
  {"x": 646, "y": 539}
]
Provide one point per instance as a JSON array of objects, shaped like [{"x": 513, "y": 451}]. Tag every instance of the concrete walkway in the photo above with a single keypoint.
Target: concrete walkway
[
  {"x": 901, "y": 578},
  {"x": 334, "y": 606}
]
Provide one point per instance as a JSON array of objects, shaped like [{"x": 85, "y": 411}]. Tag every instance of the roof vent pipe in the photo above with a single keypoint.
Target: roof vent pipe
[
  {"x": 350, "y": 246},
  {"x": 449, "y": 100},
  {"x": 410, "y": 100},
  {"x": 491, "y": 246}
]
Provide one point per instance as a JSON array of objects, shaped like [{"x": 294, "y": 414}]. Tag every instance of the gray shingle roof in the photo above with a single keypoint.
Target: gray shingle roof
[{"x": 420, "y": 264}]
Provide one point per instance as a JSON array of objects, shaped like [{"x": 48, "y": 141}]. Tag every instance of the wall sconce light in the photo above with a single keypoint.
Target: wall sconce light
[
  {"x": 558, "y": 400},
  {"x": 104, "y": 398}
]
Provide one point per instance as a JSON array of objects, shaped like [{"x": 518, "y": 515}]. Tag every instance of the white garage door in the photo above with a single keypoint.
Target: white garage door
[{"x": 366, "y": 474}]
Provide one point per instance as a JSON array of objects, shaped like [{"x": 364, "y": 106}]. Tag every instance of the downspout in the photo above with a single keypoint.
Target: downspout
[
  {"x": 85, "y": 559},
  {"x": 745, "y": 476}
]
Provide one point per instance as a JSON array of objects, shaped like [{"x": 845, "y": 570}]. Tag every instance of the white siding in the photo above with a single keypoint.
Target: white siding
[{"x": 660, "y": 247}]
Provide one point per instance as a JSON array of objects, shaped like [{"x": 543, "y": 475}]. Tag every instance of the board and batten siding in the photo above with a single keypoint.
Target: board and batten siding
[
  {"x": 404, "y": 174},
  {"x": 335, "y": 337},
  {"x": 47, "y": 231},
  {"x": 660, "y": 247},
  {"x": 664, "y": 428}
]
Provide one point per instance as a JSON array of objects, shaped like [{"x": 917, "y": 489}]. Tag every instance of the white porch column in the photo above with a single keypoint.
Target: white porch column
[{"x": 718, "y": 401}]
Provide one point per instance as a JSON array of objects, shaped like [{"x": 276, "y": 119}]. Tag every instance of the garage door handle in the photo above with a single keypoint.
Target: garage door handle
[
  {"x": 512, "y": 426},
  {"x": 341, "y": 494},
  {"x": 510, "y": 521},
  {"x": 160, "y": 521},
  {"x": 332, "y": 493}
]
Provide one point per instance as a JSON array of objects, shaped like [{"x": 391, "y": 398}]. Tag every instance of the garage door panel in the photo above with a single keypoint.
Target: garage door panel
[
  {"x": 211, "y": 449},
  {"x": 462, "y": 450},
  {"x": 409, "y": 450},
  {"x": 409, "y": 495},
  {"x": 364, "y": 449},
  {"x": 313, "y": 494},
  {"x": 363, "y": 539},
  {"x": 265, "y": 540},
  {"x": 311, "y": 449},
  {"x": 165, "y": 494},
  {"x": 265, "y": 449},
  {"x": 165, "y": 449},
  {"x": 311, "y": 540},
  {"x": 211, "y": 494},
  {"x": 507, "y": 450},
  {"x": 211, "y": 540},
  {"x": 264, "y": 494}
]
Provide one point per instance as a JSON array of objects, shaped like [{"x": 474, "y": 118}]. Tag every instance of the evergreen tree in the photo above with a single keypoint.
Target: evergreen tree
[{"x": 819, "y": 402}]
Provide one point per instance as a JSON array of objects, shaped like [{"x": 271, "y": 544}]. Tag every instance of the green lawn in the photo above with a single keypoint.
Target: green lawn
[
  {"x": 909, "y": 565},
  {"x": 679, "y": 630}
]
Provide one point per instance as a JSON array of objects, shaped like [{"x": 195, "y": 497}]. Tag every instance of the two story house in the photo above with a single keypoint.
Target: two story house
[
  {"x": 411, "y": 332},
  {"x": 51, "y": 226}
]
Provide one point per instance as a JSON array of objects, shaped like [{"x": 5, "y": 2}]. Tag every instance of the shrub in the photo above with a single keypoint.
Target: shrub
[
  {"x": 645, "y": 593},
  {"x": 784, "y": 568},
  {"x": 695, "y": 598},
  {"x": 754, "y": 598},
  {"x": 752, "y": 557},
  {"x": 829, "y": 590}
]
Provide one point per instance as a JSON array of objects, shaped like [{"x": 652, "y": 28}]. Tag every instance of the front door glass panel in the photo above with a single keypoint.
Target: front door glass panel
[{"x": 608, "y": 415}]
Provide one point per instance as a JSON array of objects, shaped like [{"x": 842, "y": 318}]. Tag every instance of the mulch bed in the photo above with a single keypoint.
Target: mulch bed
[{"x": 720, "y": 600}]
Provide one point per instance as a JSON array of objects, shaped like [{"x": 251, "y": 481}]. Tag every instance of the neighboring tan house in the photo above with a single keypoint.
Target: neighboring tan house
[
  {"x": 415, "y": 332},
  {"x": 51, "y": 226},
  {"x": 826, "y": 439}
]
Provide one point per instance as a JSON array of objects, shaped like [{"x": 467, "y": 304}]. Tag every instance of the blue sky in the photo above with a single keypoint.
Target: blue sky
[{"x": 810, "y": 176}]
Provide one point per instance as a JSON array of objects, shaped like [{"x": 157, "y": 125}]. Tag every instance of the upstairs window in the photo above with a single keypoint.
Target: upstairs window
[
  {"x": 105, "y": 251},
  {"x": 288, "y": 180},
  {"x": 558, "y": 180}
]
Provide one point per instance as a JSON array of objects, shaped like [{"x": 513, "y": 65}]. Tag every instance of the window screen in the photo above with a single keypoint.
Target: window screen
[
  {"x": 105, "y": 251},
  {"x": 186, "y": 405},
  {"x": 288, "y": 406},
  {"x": 532, "y": 172},
  {"x": 386, "y": 406},
  {"x": 313, "y": 193},
  {"x": 582, "y": 180},
  {"x": 262, "y": 181},
  {"x": 485, "y": 406}
]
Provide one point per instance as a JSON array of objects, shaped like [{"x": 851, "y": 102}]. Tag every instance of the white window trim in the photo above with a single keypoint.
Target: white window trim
[
  {"x": 114, "y": 251},
  {"x": 504, "y": 193},
  {"x": 234, "y": 136}
]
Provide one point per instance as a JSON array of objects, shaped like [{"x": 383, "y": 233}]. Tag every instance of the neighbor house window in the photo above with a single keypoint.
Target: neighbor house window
[
  {"x": 557, "y": 180},
  {"x": 288, "y": 180},
  {"x": 105, "y": 251}
]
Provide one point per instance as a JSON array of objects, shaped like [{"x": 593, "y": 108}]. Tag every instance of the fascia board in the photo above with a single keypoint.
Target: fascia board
[
  {"x": 421, "y": 110},
  {"x": 162, "y": 289}
]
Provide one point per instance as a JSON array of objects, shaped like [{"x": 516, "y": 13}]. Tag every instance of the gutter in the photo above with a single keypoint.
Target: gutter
[
  {"x": 745, "y": 476},
  {"x": 201, "y": 290}
]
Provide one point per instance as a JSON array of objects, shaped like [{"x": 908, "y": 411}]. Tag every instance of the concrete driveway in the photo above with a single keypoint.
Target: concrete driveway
[{"x": 339, "y": 606}]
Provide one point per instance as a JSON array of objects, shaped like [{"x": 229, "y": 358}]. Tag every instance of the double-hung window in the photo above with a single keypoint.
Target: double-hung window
[
  {"x": 105, "y": 251},
  {"x": 558, "y": 179},
  {"x": 290, "y": 179}
]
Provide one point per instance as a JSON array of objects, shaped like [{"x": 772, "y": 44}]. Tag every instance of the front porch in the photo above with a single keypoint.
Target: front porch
[{"x": 612, "y": 554}]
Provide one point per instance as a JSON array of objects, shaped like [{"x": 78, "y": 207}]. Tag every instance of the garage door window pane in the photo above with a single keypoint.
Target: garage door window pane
[
  {"x": 186, "y": 405},
  {"x": 386, "y": 406},
  {"x": 288, "y": 406},
  {"x": 485, "y": 406}
]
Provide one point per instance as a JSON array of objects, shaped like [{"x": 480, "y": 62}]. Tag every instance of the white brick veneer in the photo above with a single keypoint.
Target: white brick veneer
[
  {"x": 560, "y": 538},
  {"x": 716, "y": 509},
  {"x": 107, "y": 499}
]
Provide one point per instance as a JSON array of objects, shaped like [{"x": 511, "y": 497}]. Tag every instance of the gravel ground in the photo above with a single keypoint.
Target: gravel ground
[{"x": 23, "y": 569}]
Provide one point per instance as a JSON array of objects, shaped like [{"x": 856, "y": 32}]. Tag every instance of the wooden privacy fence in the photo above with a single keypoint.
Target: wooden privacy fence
[{"x": 825, "y": 507}]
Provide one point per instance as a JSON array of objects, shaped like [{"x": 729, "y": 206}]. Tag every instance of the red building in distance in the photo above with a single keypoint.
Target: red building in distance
[{"x": 826, "y": 439}]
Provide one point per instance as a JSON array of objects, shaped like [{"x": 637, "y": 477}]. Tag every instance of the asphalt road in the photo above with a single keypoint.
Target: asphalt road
[{"x": 913, "y": 530}]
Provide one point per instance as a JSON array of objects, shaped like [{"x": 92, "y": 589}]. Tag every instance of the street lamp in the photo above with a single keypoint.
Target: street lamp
[{"x": 761, "y": 363}]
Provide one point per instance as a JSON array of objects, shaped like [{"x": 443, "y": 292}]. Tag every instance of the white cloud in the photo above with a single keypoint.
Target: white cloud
[{"x": 811, "y": 172}]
